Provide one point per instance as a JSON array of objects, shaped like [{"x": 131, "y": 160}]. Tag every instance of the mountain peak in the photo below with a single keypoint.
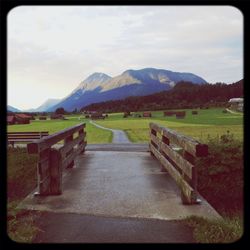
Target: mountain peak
[{"x": 97, "y": 77}]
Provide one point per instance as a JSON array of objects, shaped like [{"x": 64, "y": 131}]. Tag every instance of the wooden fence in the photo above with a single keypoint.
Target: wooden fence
[
  {"x": 52, "y": 161},
  {"x": 178, "y": 154}
]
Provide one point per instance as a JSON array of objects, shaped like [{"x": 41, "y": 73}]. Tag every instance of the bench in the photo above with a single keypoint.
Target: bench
[{"x": 25, "y": 136}]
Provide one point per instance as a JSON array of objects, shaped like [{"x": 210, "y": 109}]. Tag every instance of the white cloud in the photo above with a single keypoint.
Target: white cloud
[{"x": 52, "y": 48}]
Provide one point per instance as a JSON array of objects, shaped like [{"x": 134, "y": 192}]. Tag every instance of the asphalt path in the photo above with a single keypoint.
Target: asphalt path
[
  {"x": 77, "y": 228},
  {"x": 119, "y": 136}
]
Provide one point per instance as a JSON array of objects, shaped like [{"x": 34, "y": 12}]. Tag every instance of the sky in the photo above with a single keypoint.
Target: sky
[{"x": 51, "y": 49}]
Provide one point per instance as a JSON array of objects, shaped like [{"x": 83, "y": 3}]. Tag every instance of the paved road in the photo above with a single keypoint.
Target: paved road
[
  {"x": 76, "y": 228},
  {"x": 119, "y": 136}
]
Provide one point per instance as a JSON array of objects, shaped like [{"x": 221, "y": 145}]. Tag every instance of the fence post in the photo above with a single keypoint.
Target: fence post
[
  {"x": 192, "y": 159},
  {"x": 55, "y": 172},
  {"x": 81, "y": 131},
  {"x": 67, "y": 140},
  {"x": 164, "y": 140}
]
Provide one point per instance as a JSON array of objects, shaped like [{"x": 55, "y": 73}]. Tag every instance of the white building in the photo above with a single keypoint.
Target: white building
[{"x": 236, "y": 104}]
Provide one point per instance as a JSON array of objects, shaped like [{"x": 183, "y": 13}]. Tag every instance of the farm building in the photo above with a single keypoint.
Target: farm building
[
  {"x": 56, "y": 116},
  {"x": 168, "y": 113},
  {"x": 236, "y": 104},
  {"x": 22, "y": 118},
  {"x": 42, "y": 117},
  {"x": 147, "y": 114},
  {"x": 95, "y": 116},
  {"x": 180, "y": 114},
  {"x": 11, "y": 119}
]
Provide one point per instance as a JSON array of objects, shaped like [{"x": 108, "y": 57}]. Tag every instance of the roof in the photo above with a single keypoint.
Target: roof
[
  {"x": 10, "y": 118},
  {"x": 236, "y": 100},
  {"x": 23, "y": 116}
]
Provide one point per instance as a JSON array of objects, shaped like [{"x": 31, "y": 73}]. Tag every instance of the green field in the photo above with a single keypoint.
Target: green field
[
  {"x": 208, "y": 122},
  {"x": 94, "y": 135}
]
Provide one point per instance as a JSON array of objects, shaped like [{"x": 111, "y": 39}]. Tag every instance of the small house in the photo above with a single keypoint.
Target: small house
[
  {"x": 56, "y": 116},
  {"x": 11, "y": 119},
  {"x": 180, "y": 114},
  {"x": 147, "y": 114},
  {"x": 23, "y": 118},
  {"x": 42, "y": 117},
  {"x": 236, "y": 104},
  {"x": 96, "y": 116},
  {"x": 168, "y": 113}
]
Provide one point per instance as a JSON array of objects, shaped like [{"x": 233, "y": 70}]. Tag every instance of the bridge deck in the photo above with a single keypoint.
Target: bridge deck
[{"x": 109, "y": 181}]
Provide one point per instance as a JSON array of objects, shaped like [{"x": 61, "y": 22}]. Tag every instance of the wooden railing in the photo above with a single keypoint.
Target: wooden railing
[
  {"x": 178, "y": 155},
  {"x": 51, "y": 161}
]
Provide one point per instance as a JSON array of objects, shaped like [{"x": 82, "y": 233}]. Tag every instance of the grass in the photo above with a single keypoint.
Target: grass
[
  {"x": 208, "y": 123},
  {"x": 227, "y": 230},
  {"x": 94, "y": 134},
  {"x": 22, "y": 179}
]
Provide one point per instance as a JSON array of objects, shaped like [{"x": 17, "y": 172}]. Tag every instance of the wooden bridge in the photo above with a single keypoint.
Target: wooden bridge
[{"x": 155, "y": 180}]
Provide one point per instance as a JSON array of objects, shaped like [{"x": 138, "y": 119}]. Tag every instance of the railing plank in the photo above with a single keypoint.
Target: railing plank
[
  {"x": 41, "y": 144},
  {"x": 178, "y": 160},
  {"x": 71, "y": 157},
  {"x": 187, "y": 143},
  {"x": 155, "y": 127},
  {"x": 155, "y": 139},
  {"x": 65, "y": 149},
  {"x": 187, "y": 190}
]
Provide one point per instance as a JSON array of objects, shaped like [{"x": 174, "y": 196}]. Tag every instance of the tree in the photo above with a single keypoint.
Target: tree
[{"x": 60, "y": 111}]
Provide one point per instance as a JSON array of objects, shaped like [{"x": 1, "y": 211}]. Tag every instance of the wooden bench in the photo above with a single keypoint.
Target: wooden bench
[
  {"x": 25, "y": 136},
  {"x": 178, "y": 154}
]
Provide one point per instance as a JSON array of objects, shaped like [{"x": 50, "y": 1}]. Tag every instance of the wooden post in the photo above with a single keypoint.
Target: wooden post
[
  {"x": 190, "y": 158},
  {"x": 55, "y": 172},
  {"x": 153, "y": 132},
  {"x": 43, "y": 173},
  {"x": 69, "y": 139},
  {"x": 165, "y": 140},
  {"x": 81, "y": 132}
]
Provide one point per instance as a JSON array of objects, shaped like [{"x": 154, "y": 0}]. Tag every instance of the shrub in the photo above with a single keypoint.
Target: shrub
[{"x": 220, "y": 174}]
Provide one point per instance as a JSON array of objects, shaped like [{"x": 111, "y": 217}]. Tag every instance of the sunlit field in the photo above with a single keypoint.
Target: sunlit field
[{"x": 207, "y": 123}]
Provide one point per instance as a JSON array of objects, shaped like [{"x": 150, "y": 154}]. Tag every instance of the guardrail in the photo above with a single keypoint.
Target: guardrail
[
  {"x": 178, "y": 154},
  {"x": 52, "y": 161}
]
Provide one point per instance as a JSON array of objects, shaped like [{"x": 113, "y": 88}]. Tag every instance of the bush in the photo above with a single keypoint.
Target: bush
[{"x": 220, "y": 174}]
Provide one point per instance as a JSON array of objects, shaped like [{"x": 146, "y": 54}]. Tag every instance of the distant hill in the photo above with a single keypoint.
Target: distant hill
[
  {"x": 100, "y": 87},
  {"x": 45, "y": 106},
  {"x": 12, "y": 109},
  {"x": 182, "y": 95}
]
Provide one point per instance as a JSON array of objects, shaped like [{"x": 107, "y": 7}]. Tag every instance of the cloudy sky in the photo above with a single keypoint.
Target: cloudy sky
[{"x": 51, "y": 49}]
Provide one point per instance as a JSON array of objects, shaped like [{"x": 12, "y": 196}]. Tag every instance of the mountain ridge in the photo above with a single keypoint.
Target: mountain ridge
[{"x": 101, "y": 87}]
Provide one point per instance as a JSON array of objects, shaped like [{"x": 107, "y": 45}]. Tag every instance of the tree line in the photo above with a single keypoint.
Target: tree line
[{"x": 183, "y": 95}]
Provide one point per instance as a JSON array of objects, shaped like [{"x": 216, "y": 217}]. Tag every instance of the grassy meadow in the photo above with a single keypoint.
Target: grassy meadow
[
  {"x": 208, "y": 123},
  {"x": 94, "y": 134}
]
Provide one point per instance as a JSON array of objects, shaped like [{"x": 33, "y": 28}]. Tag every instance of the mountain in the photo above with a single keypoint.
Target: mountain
[
  {"x": 183, "y": 95},
  {"x": 12, "y": 109},
  {"x": 100, "y": 87},
  {"x": 47, "y": 104}
]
